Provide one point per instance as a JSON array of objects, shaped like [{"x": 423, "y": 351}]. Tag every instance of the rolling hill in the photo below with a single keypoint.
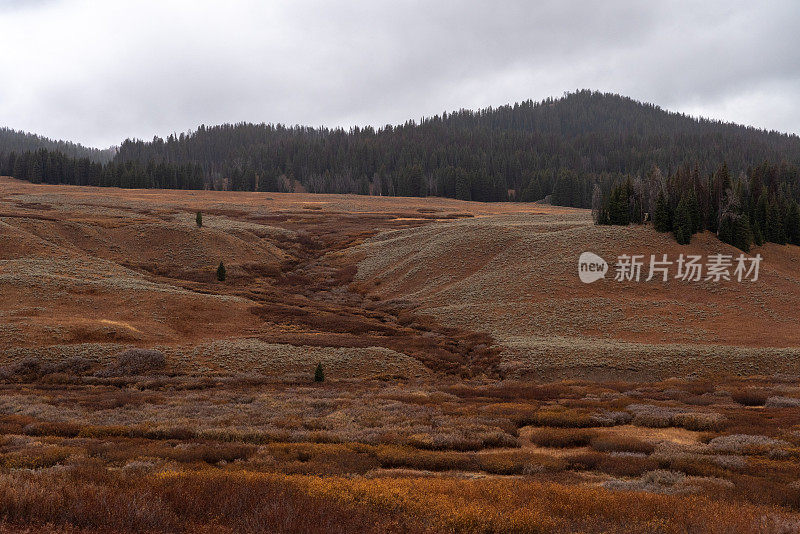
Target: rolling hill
[
  {"x": 88, "y": 269},
  {"x": 556, "y": 149}
]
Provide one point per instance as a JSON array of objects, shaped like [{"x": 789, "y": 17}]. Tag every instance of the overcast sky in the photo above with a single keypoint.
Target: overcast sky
[{"x": 99, "y": 71}]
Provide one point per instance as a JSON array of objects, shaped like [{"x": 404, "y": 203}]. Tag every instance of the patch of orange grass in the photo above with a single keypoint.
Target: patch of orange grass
[
  {"x": 515, "y": 505},
  {"x": 679, "y": 436}
]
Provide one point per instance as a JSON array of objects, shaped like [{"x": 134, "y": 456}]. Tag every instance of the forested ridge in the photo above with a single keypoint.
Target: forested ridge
[
  {"x": 48, "y": 167},
  {"x": 759, "y": 206},
  {"x": 18, "y": 142},
  {"x": 557, "y": 149}
]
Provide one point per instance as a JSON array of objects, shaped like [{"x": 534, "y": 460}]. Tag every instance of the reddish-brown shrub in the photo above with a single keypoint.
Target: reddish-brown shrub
[
  {"x": 750, "y": 397},
  {"x": 616, "y": 443},
  {"x": 135, "y": 362},
  {"x": 24, "y": 370},
  {"x": 560, "y": 437},
  {"x": 391, "y": 456},
  {"x": 518, "y": 462},
  {"x": 559, "y": 417},
  {"x": 212, "y": 453},
  {"x": 622, "y": 465}
]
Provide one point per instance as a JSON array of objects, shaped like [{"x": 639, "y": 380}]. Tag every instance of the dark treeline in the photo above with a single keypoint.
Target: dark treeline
[
  {"x": 16, "y": 141},
  {"x": 752, "y": 208},
  {"x": 43, "y": 166},
  {"x": 557, "y": 148}
]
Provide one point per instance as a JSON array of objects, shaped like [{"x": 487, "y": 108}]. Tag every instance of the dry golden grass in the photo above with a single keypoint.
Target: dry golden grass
[
  {"x": 376, "y": 436},
  {"x": 225, "y": 501},
  {"x": 472, "y": 385},
  {"x": 515, "y": 277}
]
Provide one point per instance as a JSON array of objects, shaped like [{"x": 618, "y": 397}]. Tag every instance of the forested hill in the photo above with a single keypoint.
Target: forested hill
[
  {"x": 556, "y": 147},
  {"x": 18, "y": 141}
]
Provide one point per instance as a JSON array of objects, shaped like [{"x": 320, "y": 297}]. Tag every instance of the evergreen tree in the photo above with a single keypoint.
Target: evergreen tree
[
  {"x": 775, "y": 230},
  {"x": 758, "y": 235},
  {"x": 662, "y": 217},
  {"x": 725, "y": 230},
  {"x": 221, "y": 274},
  {"x": 199, "y": 219},
  {"x": 682, "y": 224},
  {"x": 694, "y": 211},
  {"x": 319, "y": 374},
  {"x": 36, "y": 170},
  {"x": 742, "y": 235},
  {"x": 618, "y": 205},
  {"x": 761, "y": 213},
  {"x": 734, "y": 229},
  {"x": 680, "y": 237},
  {"x": 597, "y": 203},
  {"x": 462, "y": 187}
]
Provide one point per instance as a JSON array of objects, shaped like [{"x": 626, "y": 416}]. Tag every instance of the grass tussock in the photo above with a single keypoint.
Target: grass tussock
[
  {"x": 519, "y": 463},
  {"x": 615, "y": 443},
  {"x": 561, "y": 437},
  {"x": 750, "y": 397},
  {"x": 560, "y": 417},
  {"x": 134, "y": 362},
  {"x": 619, "y": 465},
  {"x": 390, "y": 456}
]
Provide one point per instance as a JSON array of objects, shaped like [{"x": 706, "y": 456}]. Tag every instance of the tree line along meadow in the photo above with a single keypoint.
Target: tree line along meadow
[
  {"x": 627, "y": 160},
  {"x": 756, "y": 207}
]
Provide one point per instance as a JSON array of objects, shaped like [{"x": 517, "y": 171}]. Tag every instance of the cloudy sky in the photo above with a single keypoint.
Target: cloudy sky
[{"x": 99, "y": 71}]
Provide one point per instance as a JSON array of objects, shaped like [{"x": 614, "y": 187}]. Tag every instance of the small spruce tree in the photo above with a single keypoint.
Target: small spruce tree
[
  {"x": 735, "y": 230},
  {"x": 682, "y": 224},
  {"x": 758, "y": 235},
  {"x": 775, "y": 231},
  {"x": 742, "y": 233},
  {"x": 618, "y": 205},
  {"x": 199, "y": 219},
  {"x": 319, "y": 374},
  {"x": 725, "y": 229},
  {"x": 679, "y": 237},
  {"x": 662, "y": 218},
  {"x": 221, "y": 274},
  {"x": 693, "y": 206}
]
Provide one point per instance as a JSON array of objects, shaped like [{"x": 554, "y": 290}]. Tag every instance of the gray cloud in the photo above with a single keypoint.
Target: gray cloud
[{"x": 97, "y": 72}]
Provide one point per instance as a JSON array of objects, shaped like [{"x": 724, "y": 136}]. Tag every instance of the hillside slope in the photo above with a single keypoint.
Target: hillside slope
[
  {"x": 370, "y": 285},
  {"x": 516, "y": 277},
  {"x": 87, "y": 271}
]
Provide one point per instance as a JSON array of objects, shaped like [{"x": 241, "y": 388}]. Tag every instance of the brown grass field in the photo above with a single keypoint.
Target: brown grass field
[{"x": 472, "y": 382}]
